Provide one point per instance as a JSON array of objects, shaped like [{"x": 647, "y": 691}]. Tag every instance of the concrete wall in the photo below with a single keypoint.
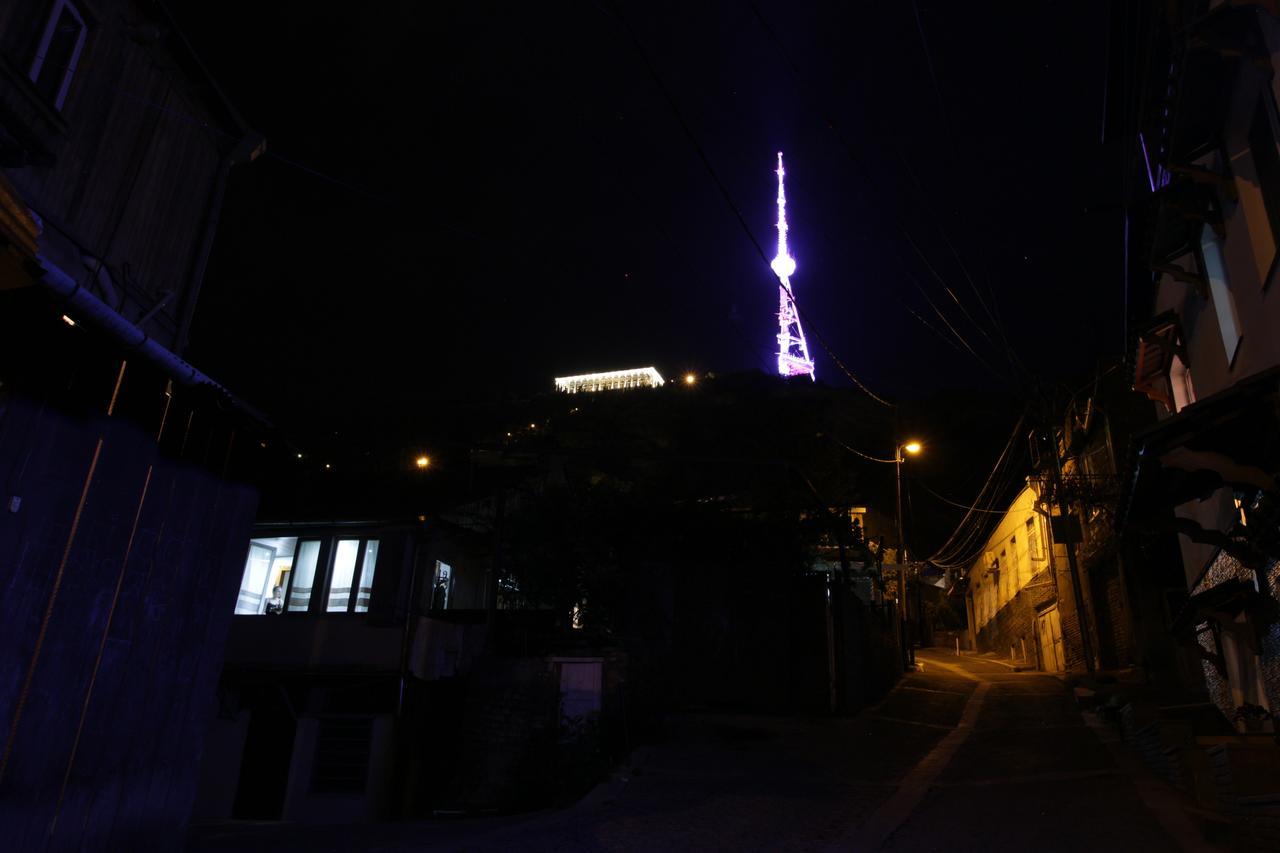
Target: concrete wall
[
  {"x": 305, "y": 805},
  {"x": 220, "y": 769}
]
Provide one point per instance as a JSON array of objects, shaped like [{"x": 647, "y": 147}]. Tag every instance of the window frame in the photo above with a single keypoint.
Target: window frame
[
  {"x": 357, "y": 572},
  {"x": 322, "y": 559},
  {"x": 42, "y": 49},
  {"x": 326, "y": 540},
  {"x": 1036, "y": 550}
]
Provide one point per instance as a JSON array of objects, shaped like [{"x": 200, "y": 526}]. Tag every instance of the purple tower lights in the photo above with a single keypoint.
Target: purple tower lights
[{"x": 793, "y": 351}]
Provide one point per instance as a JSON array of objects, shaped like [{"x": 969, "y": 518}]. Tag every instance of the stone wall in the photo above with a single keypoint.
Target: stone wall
[
  {"x": 510, "y": 722},
  {"x": 1223, "y": 568}
]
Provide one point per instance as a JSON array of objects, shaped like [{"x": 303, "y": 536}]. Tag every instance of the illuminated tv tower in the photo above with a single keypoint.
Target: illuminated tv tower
[{"x": 793, "y": 352}]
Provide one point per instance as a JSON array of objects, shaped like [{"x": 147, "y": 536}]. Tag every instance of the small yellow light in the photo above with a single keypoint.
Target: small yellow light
[
  {"x": 533, "y": 426},
  {"x": 422, "y": 462},
  {"x": 68, "y": 320},
  {"x": 690, "y": 379},
  {"x": 913, "y": 447},
  {"x": 299, "y": 455},
  {"x": 327, "y": 466}
]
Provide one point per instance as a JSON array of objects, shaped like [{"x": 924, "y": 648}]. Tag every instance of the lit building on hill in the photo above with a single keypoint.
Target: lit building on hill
[{"x": 614, "y": 380}]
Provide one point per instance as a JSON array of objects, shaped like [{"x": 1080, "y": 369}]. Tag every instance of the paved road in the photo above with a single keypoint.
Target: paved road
[{"x": 964, "y": 756}]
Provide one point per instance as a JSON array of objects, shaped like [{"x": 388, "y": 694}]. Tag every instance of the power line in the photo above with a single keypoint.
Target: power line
[
  {"x": 947, "y": 500},
  {"x": 728, "y": 199},
  {"x": 830, "y": 123},
  {"x": 860, "y": 453},
  {"x": 961, "y": 338},
  {"x": 951, "y": 549}
]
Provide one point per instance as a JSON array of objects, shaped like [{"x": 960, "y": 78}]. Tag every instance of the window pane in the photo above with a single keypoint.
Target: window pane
[
  {"x": 1224, "y": 303},
  {"x": 344, "y": 571},
  {"x": 56, "y": 63},
  {"x": 304, "y": 575},
  {"x": 253, "y": 584},
  {"x": 366, "y": 576}
]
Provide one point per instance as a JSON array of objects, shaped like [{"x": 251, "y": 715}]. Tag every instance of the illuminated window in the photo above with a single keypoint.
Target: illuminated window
[
  {"x": 351, "y": 581},
  {"x": 303, "y": 577},
  {"x": 286, "y": 574},
  {"x": 344, "y": 573},
  {"x": 441, "y": 586},
  {"x": 365, "y": 590},
  {"x": 58, "y": 51}
]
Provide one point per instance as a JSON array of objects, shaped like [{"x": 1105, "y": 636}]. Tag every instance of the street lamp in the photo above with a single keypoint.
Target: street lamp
[
  {"x": 912, "y": 448},
  {"x": 423, "y": 462}
]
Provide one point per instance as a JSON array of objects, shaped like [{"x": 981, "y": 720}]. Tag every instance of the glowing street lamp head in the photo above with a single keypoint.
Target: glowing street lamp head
[
  {"x": 423, "y": 462},
  {"x": 690, "y": 378},
  {"x": 913, "y": 447}
]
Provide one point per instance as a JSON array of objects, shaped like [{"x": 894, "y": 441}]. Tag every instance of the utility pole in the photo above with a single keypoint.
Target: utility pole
[{"x": 1064, "y": 511}]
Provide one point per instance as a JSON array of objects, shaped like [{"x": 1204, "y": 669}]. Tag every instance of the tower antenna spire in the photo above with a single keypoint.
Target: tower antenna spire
[{"x": 793, "y": 351}]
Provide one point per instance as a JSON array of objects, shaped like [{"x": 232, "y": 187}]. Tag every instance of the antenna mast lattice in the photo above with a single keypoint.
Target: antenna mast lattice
[{"x": 793, "y": 351}]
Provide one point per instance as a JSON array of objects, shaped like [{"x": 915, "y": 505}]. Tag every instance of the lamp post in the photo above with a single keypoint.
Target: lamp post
[{"x": 912, "y": 448}]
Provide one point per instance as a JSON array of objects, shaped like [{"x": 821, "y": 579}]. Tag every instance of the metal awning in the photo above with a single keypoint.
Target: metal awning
[
  {"x": 1229, "y": 439},
  {"x": 1222, "y": 605},
  {"x": 1157, "y": 344},
  {"x": 1182, "y": 208}
]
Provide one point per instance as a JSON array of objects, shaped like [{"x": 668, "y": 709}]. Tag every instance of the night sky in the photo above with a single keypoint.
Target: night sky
[{"x": 464, "y": 200}]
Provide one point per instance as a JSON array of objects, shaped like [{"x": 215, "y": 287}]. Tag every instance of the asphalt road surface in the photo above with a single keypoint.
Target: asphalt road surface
[{"x": 966, "y": 755}]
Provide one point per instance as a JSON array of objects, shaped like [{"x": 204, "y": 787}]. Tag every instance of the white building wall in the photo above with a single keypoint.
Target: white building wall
[{"x": 1010, "y": 545}]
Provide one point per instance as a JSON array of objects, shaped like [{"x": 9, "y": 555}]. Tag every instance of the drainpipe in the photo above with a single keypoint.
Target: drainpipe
[
  {"x": 249, "y": 148},
  {"x": 411, "y": 615},
  {"x": 83, "y": 306}
]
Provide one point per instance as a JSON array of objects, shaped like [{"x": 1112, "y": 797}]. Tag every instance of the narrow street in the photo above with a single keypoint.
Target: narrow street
[{"x": 965, "y": 755}]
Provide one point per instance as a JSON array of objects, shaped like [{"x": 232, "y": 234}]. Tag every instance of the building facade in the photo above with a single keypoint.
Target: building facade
[
  {"x": 1207, "y": 353},
  {"x": 1013, "y": 602},
  {"x": 365, "y": 677},
  {"x": 123, "y": 468}
]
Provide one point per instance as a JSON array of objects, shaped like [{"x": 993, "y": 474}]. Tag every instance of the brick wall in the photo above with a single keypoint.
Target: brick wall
[{"x": 1015, "y": 623}]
